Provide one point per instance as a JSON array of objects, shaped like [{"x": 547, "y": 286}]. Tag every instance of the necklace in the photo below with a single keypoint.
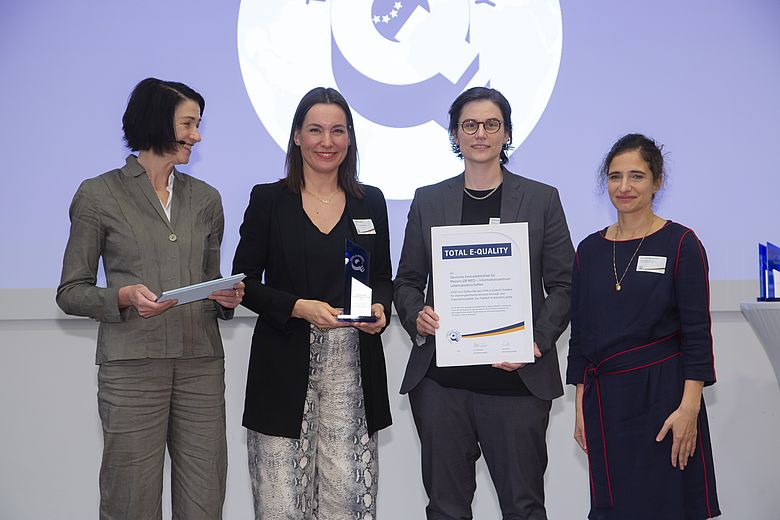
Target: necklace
[
  {"x": 619, "y": 281},
  {"x": 482, "y": 197},
  {"x": 324, "y": 201}
]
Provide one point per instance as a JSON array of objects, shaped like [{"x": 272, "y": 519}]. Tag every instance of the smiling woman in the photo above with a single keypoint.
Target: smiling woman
[
  {"x": 186, "y": 126},
  {"x": 161, "y": 375},
  {"x": 316, "y": 390},
  {"x": 499, "y": 410},
  {"x": 640, "y": 352}
]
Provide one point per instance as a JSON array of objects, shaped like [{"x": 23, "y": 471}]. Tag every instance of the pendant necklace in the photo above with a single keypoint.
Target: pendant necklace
[
  {"x": 619, "y": 281},
  {"x": 324, "y": 201}
]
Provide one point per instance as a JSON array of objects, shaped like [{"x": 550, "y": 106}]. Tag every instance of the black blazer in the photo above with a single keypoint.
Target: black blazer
[
  {"x": 271, "y": 252},
  {"x": 552, "y": 256}
]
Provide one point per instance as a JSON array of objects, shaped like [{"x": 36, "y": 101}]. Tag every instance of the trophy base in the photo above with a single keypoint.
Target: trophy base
[{"x": 350, "y": 318}]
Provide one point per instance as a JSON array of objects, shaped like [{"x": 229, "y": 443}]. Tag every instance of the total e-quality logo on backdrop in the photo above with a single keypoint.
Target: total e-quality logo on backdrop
[{"x": 399, "y": 64}]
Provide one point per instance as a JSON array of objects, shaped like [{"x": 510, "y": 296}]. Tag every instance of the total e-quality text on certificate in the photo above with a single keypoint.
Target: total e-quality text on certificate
[{"x": 482, "y": 294}]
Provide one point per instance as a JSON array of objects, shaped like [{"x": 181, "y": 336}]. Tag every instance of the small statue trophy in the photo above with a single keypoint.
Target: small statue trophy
[{"x": 357, "y": 293}]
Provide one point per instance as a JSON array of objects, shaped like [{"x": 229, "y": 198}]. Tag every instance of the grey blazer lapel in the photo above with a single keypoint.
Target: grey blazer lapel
[
  {"x": 452, "y": 199},
  {"x": 182, "y": 200},
  {"x": 511, "y": 197},
  {"x": 142, "y": 183}
]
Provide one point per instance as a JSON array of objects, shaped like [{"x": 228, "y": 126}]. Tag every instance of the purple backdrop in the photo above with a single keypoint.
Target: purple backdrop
[{"x": 702, "y": 77}]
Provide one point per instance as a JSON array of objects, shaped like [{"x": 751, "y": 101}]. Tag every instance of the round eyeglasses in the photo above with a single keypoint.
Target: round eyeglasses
[{"x": 471, "y": 126}]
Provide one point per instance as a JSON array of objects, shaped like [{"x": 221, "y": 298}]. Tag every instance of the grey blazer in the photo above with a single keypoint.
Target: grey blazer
[
  {"x": 117, "y": 216},
  {"x": 552, "y": 256}
]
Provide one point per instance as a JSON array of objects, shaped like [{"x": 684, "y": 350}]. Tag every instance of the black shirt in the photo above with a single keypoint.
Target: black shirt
[{"x": 325, "y": 261}]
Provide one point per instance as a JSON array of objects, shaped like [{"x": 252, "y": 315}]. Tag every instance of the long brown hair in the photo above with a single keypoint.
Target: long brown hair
[{"x": 347, "y": 176}]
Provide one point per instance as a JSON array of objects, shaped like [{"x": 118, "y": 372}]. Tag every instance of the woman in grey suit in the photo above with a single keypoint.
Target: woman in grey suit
[
  {"x": 502, "y": 410},
  {"x": 161, "y": 367}
]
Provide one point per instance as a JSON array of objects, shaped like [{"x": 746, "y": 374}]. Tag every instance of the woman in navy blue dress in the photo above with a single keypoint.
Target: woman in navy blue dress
[{"x": 641, "y": 352}]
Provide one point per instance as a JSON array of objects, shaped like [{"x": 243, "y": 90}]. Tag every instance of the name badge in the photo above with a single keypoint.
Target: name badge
[
  {"x": 364, "y": 226},
  {"x": 494, "y": 220},
  {"x": 651, "y": 264}
]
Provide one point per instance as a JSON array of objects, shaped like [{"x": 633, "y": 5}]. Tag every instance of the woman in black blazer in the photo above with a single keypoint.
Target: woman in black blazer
[{"x": 317, "y": 389}]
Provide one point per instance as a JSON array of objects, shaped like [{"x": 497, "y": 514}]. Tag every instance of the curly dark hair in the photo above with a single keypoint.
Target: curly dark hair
[{"x": 652, "y": 153}]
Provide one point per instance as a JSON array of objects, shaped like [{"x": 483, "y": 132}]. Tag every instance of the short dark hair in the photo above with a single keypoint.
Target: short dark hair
[
  {"x": 148, "y": 121},
  {"x": 480, "y": 94},
  {"x": 651, "y": 152},
  {"x": 347, "y": 177}
]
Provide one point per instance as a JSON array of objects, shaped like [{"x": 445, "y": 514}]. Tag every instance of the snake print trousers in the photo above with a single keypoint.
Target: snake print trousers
[{"x": 330, "y": 472}]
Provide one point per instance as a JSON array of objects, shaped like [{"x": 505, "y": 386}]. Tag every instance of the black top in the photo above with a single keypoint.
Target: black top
[
  {"x": 325, "y": 261},
  {"x": 483, "y": 379}
]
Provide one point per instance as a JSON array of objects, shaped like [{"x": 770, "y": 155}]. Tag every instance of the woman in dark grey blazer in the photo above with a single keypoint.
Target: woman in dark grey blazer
[
  {"x": 316, "y": 392},
  {"x": 161, "y": 367},
  {"x": 498, "y": 411}
]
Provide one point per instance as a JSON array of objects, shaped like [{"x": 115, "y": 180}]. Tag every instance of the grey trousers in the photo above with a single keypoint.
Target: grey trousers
[
  {"x": 331, "y": 471},
  {"x": 457, "y": 426},
  {"x": 146, "y": 404}
]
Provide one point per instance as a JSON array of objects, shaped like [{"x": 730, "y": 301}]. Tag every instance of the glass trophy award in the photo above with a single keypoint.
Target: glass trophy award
[
  {"x": 357, "y": 293},
  {"x": 768, "y": 264}
]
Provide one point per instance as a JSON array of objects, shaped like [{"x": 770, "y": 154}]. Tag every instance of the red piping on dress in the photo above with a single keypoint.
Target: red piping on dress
[
  {"x": 709, "y": 314},
  {"x": 706, "y": 285},
  {"x": 636, "y": 348},
  {"x": 677, "y": 354},
  {"x": 585, "y": 434},
  {"x": 601, "y": 411},
  {"x": 679, "y": 246},
  {"x": 604, "y": 442},
  {"x": 704, "y": 468}
]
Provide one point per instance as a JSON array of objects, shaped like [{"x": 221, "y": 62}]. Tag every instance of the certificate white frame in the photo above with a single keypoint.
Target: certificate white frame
[{"x": 482, "y": 294}]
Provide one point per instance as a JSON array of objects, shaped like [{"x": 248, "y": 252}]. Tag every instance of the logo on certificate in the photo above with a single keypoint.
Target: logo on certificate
[
  {"x": 399, "y": 63},
  {"x": 453, "y": 336}
]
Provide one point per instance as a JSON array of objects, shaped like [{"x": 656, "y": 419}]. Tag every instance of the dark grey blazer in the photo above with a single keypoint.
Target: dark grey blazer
[
  {"x": 552, "y": 256},
  {"x": 118, "y": 217}
]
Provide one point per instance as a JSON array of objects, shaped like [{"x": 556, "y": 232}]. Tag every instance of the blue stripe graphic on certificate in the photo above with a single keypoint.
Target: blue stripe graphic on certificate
[
  {"x": 497, "y": 332},
  {"x": 476, "y": 251}
]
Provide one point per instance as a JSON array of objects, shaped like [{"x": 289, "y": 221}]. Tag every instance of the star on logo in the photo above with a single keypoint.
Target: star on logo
[{"x": 391, "y": 14}]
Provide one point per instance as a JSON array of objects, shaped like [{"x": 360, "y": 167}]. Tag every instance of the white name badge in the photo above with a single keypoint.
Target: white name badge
[
  {"x": 494, "y": 220},
  {"x": 651, "y": 264},
  {"x": 364, "y": 226}
]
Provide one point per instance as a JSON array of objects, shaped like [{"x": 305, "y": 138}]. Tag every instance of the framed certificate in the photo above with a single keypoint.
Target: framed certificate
[{"x": 482, "y": 294}]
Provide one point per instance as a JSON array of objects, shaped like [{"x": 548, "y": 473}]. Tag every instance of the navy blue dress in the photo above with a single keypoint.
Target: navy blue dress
[{"x": 633, "y": 349}]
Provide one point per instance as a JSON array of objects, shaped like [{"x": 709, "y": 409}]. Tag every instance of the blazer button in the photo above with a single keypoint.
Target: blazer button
[{"x": 172, "y": 237}]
